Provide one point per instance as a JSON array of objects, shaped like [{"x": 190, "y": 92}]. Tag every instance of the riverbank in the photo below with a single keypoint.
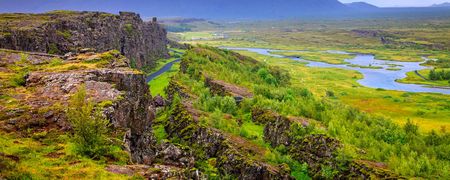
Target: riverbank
[
  {"x": 414, "y": 78},
  {"x": 378, "y": 76},
  {"x": 429, "y": 111}
]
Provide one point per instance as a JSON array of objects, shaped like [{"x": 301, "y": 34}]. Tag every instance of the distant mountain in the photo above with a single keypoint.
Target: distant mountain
[
  {"x": 208, "y": 9},
  {"x": 226, "y": 9},
  {"x": 446, "y": 4},
  {"x": 362, "y": 6}
]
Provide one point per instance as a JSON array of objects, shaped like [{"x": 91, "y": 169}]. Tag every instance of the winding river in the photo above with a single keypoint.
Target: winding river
[{"x": 374, "y": 78}]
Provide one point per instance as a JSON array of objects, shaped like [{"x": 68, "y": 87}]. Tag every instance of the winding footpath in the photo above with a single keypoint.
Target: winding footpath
[{"x": 164, "y": 69}]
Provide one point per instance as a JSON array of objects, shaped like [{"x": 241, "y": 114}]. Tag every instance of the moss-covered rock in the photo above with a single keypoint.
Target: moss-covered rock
[{"x": 211, "y": 143}]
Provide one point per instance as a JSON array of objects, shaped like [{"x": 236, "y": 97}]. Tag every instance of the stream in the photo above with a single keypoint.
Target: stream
[{"x": 374, "y": 78}]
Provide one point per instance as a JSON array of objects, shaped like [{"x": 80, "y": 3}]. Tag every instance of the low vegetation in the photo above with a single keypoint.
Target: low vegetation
[
  {"x": 403, "y": 148},
  {"x": 89, "y": 125}
]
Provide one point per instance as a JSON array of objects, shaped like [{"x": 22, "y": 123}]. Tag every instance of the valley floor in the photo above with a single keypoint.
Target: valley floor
[{"x": 429, "y": 110}]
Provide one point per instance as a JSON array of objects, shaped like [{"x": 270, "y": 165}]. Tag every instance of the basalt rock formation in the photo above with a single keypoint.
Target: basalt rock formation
[
  {"x": 131, "y": 107},
  {"x": 230, "y": 154},
  {"x": 317, "y": 150},
  {"x": 61, "y": 32}
]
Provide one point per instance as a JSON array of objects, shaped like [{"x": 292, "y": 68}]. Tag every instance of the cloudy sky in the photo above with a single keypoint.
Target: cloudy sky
[{"x": 396, "y": 3}]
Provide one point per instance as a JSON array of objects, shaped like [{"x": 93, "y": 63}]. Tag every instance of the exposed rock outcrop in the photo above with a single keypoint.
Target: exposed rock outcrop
[
  {"x": 212, "y": 143},
  {"x": 156, "y": 171},
  {"x": 222, "y": 88},
  {"x": 317, "y": 150},
  {"x": 66, "y": 31},
  {"x": 45, "y": 93},
  {"x": 132, "y": 108}
]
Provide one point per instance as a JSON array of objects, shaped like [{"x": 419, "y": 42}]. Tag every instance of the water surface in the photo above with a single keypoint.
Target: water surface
[{"x": 374, "y": 78}]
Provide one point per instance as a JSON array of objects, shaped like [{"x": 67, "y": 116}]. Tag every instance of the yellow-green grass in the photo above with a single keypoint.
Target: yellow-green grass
[
  {"x": 196, "y": 35},
  {"x": 413, "y": 78},
  {"x": 429, "y": 111},
  {"x": 365, "y": 67},
  {"x": 403, "y": 55},
  {"x": 41, "y": 157},
  {"x": 318, "y": 56},
  {"x": 158, "y": 84}
]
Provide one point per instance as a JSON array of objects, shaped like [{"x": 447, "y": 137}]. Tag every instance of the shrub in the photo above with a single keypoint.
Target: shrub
[
  {"x": 330, "y": 94},
  {"x": 225, "y": 104},
  {"x": 89, "y": 125},
  {"x": 18, "y": 79},
  {"x": 65, "y": 34},
  {"x": 53, "y": 49},
  {"x": 133, "y": 63},
  {"x": 411, "y": 128},
  {"x": 129, "y": 28},
  {"x": 56, "y": 62}
]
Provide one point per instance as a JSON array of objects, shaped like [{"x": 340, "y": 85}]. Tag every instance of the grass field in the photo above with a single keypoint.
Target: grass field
[
  {"x": 319, "y": 56},
  {"x": 202, "y": 35},
  {"x": 413, "y": 78}
]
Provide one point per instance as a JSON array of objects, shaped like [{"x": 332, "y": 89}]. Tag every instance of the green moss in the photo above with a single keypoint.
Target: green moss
[
  {"x": 53, "y": 49},
  {"x": 104, "y": 104},
  {"x": 18, "y": 79},
  {"x": 66, "y": 34},
  {"x": 56, "y": 62},
  {"x": 129, "y": 28}
]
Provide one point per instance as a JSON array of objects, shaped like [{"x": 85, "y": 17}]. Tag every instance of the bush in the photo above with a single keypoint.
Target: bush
[
  {"x": 53, "y": 49},
  {"x": 18, "y": 80},
  {"x": 89, "y": 125},
  {"x": 225, "y": 104},
  {"x": 56, "y": 62}
]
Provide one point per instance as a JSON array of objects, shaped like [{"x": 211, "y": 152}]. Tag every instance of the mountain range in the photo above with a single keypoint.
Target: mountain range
[
  {"x": 218, "y": 9},
  {"x": 446, "y": 4}
]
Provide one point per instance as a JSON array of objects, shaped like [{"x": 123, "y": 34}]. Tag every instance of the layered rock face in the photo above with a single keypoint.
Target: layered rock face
[{"x": 62, "y": 32}]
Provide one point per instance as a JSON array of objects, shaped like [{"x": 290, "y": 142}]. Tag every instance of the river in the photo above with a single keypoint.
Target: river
[{"x": 374, "y": 78}]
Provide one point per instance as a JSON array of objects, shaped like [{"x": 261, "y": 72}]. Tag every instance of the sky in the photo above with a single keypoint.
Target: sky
[{"x": 399, "y": 3}]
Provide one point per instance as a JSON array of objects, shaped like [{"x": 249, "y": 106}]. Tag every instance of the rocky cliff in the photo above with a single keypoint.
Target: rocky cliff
[
  {"x": 45, "y": 86},
  {"x": 61, "y": 32}
]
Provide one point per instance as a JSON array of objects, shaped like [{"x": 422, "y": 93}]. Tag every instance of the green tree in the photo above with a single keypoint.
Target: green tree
[{"x": 89, "y": 126}]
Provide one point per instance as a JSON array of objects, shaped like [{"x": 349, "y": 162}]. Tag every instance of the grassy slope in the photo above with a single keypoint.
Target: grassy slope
[
  {"x": 379, "y": 139},
  {"x": 430, "y": 111}
]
